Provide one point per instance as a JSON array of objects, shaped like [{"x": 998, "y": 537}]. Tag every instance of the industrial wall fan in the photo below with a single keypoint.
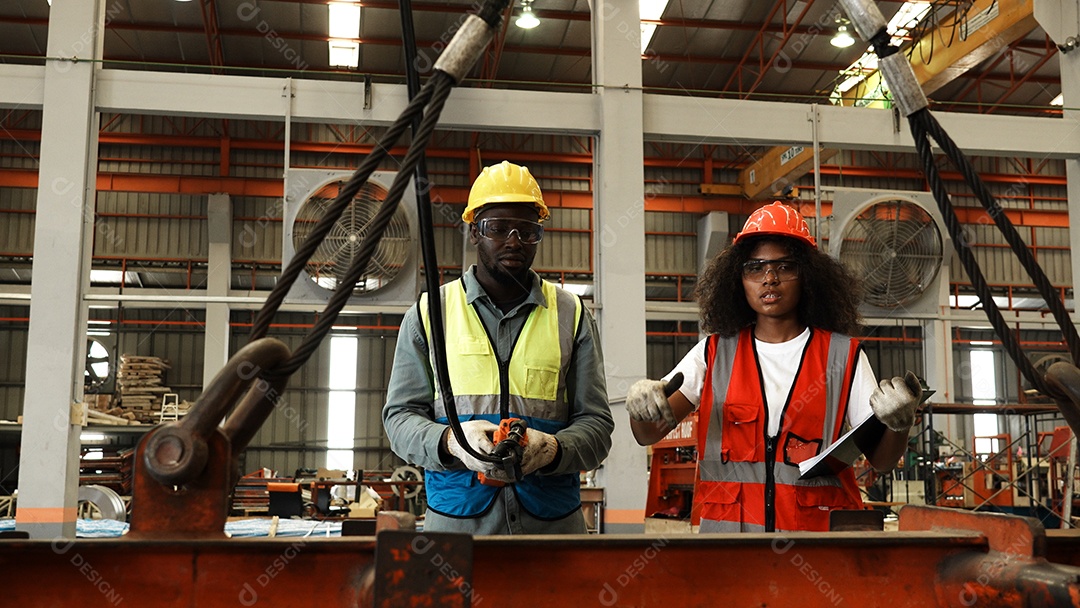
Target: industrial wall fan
[
  {"x": 894, "y": 243},
  {"x": 391, "y": 276}
]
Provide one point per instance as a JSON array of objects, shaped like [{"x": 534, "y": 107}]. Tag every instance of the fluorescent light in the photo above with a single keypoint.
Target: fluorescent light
[
  {"x": 92, "y": 437},
  {"x": 981, "y": 343},
  {"x": 578, "y": 289},
  {"x": 650, "y": 10},
  {"x": 527, "y": 20},
  {"x": 1059, "y": 100},
  {"x": 344, "y": 53},
  {"x": 344, "y": 20},
  {"x": 905, "y": 19},
  {"x": 842, "y": 39},
  {"x": 112, "y": 277}
]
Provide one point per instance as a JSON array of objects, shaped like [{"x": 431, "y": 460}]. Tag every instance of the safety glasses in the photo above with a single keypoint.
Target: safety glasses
[
  {"x": 783, "y": 269},
  {"x": 529, "y": 233}
]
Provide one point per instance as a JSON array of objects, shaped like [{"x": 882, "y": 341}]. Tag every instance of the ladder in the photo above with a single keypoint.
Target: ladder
[{"x": 170, "y": 407}]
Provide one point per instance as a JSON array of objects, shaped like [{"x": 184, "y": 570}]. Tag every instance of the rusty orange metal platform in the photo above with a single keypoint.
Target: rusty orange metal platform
[{"x": 942, "y": 557}]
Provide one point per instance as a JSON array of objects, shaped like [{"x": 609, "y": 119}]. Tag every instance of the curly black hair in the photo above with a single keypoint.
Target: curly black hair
[{"x": 829, "y": 297}]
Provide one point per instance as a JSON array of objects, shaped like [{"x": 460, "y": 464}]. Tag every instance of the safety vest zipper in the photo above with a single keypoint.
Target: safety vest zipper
[
  {"x": 504, "y": 389},
  {"x": 770, "y": 480}
]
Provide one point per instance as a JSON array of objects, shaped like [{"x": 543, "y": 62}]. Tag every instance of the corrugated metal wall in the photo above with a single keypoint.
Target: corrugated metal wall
[
  {"x": 151, "y": 226},
  {"x": 17, "y": 228},
  {"x": 13, "y": 335}
]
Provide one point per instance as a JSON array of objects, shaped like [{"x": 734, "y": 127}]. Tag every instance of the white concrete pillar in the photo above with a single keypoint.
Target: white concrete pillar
[
  {"x": 619, "y": 203},
  {"x": 1070, "y": 88},
  {"x": 49, "y": 459},
  {"x": 218, "y": 279}
]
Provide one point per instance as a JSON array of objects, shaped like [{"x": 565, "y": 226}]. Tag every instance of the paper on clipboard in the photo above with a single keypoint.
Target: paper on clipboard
[
  {"x": 859, "y": 440},
  {"x": 840, "y": 455}
]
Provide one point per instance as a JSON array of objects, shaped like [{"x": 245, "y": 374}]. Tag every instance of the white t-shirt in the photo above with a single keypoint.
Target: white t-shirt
[{"x": 779, "y": 364}]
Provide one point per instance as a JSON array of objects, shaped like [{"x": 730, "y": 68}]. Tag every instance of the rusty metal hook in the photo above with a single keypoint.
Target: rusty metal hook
[{"x": 177, "y": 452}]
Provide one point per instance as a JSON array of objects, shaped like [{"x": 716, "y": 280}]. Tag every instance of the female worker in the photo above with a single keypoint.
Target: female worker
[{"x": 776, "y": 379}]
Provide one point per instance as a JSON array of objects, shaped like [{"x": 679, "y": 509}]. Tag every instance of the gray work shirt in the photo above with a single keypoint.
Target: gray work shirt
[{"x": 408, "y": 415}]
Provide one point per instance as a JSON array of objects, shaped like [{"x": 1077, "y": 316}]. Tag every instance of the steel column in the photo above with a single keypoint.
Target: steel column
[
  {"x": 619, "y": 248},
  {"x": 49, "y": 461},
  {"x": 218, "y": 282}
]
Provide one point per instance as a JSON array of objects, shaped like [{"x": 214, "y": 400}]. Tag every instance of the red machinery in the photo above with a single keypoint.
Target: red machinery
[{"x": 672, "y": 471}]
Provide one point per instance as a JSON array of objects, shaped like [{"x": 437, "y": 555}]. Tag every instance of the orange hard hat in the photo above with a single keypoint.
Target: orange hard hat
[{"x": 779, "y": 219}]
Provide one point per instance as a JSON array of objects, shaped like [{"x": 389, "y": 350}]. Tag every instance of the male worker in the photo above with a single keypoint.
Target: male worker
[{"x": 517, "y": 346}]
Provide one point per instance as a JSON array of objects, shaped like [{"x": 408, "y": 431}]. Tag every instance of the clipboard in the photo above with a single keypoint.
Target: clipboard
[{"x": 845, "y": 451}]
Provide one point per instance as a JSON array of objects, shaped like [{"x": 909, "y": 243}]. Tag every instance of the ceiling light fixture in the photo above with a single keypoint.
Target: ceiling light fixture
[
  {"x": 1059, "y": 100},
  {"x": 527, "y": 20},
  {"x": 344, "y": 20},
  {"x": 842, "y": 39}
]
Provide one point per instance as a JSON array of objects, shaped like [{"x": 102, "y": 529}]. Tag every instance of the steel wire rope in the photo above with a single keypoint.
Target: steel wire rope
[
  {"x": 912, "y": 103},
  {"x": 1008, "y": 230},
  {"x": 967, "y": 258},
  {"x": 427, "y": 103}
]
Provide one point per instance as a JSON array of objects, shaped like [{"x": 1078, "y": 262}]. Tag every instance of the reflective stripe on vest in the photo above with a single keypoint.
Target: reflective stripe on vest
[
  {"x": 732, "y": 474},
  {"x": 536, "y": 392}
]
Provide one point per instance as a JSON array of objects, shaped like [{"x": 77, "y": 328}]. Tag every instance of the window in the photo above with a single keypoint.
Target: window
[
  {"x": 341, "y": 417},
  {"x": 984, "y": 392}
]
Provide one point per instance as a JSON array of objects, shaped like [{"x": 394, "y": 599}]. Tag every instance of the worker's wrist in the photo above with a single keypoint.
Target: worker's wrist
[{"x": 444, "y": 448}]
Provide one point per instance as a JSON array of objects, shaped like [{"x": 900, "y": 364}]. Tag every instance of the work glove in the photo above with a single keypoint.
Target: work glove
[
  {"x": 895, "y": 400},
  {"x": 646, "y": 402},
  {"x": 540, "y": 450},
  {"x": 478, "y": 434}
]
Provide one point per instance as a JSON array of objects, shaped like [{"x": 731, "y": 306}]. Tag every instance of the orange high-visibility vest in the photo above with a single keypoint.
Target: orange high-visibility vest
[{"x": 749, "y": 482}]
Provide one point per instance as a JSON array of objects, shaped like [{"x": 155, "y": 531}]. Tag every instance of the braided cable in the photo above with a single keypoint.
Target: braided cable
[
  {"x": 1012, "y": 237},
  {"x": 919, "y": 128}
]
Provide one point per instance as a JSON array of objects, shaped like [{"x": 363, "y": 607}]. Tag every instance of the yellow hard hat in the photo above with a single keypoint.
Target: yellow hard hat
[{"x": 504, "y": 183}]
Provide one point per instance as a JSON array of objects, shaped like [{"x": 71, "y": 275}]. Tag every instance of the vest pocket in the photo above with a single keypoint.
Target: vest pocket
[
  {"x": 741, "y": 433},
  {"x": 541, "y": 383},
  {"x": 814, "y": 504},
  {"x": 720, "y": 501}
]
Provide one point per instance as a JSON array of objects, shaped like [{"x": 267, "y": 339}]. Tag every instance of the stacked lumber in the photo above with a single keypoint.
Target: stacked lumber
[
  {"x": 250, "y": 496},
  {"x": 139, "y": 387},
  {"x": 110, "y": 467}
]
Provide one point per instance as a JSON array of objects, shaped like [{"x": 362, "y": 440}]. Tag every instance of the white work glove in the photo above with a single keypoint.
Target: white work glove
[
  {"x": 478, "y": 434},
  {"x": 895, "y": 400},
  {"x": 540, "y": 450},
  {"x": 646, "y": 402}
]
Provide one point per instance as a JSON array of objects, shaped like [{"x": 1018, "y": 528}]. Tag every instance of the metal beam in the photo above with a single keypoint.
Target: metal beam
[
  {"x": 747, "y": 123},
  {"x": 685, "y": 119}
]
